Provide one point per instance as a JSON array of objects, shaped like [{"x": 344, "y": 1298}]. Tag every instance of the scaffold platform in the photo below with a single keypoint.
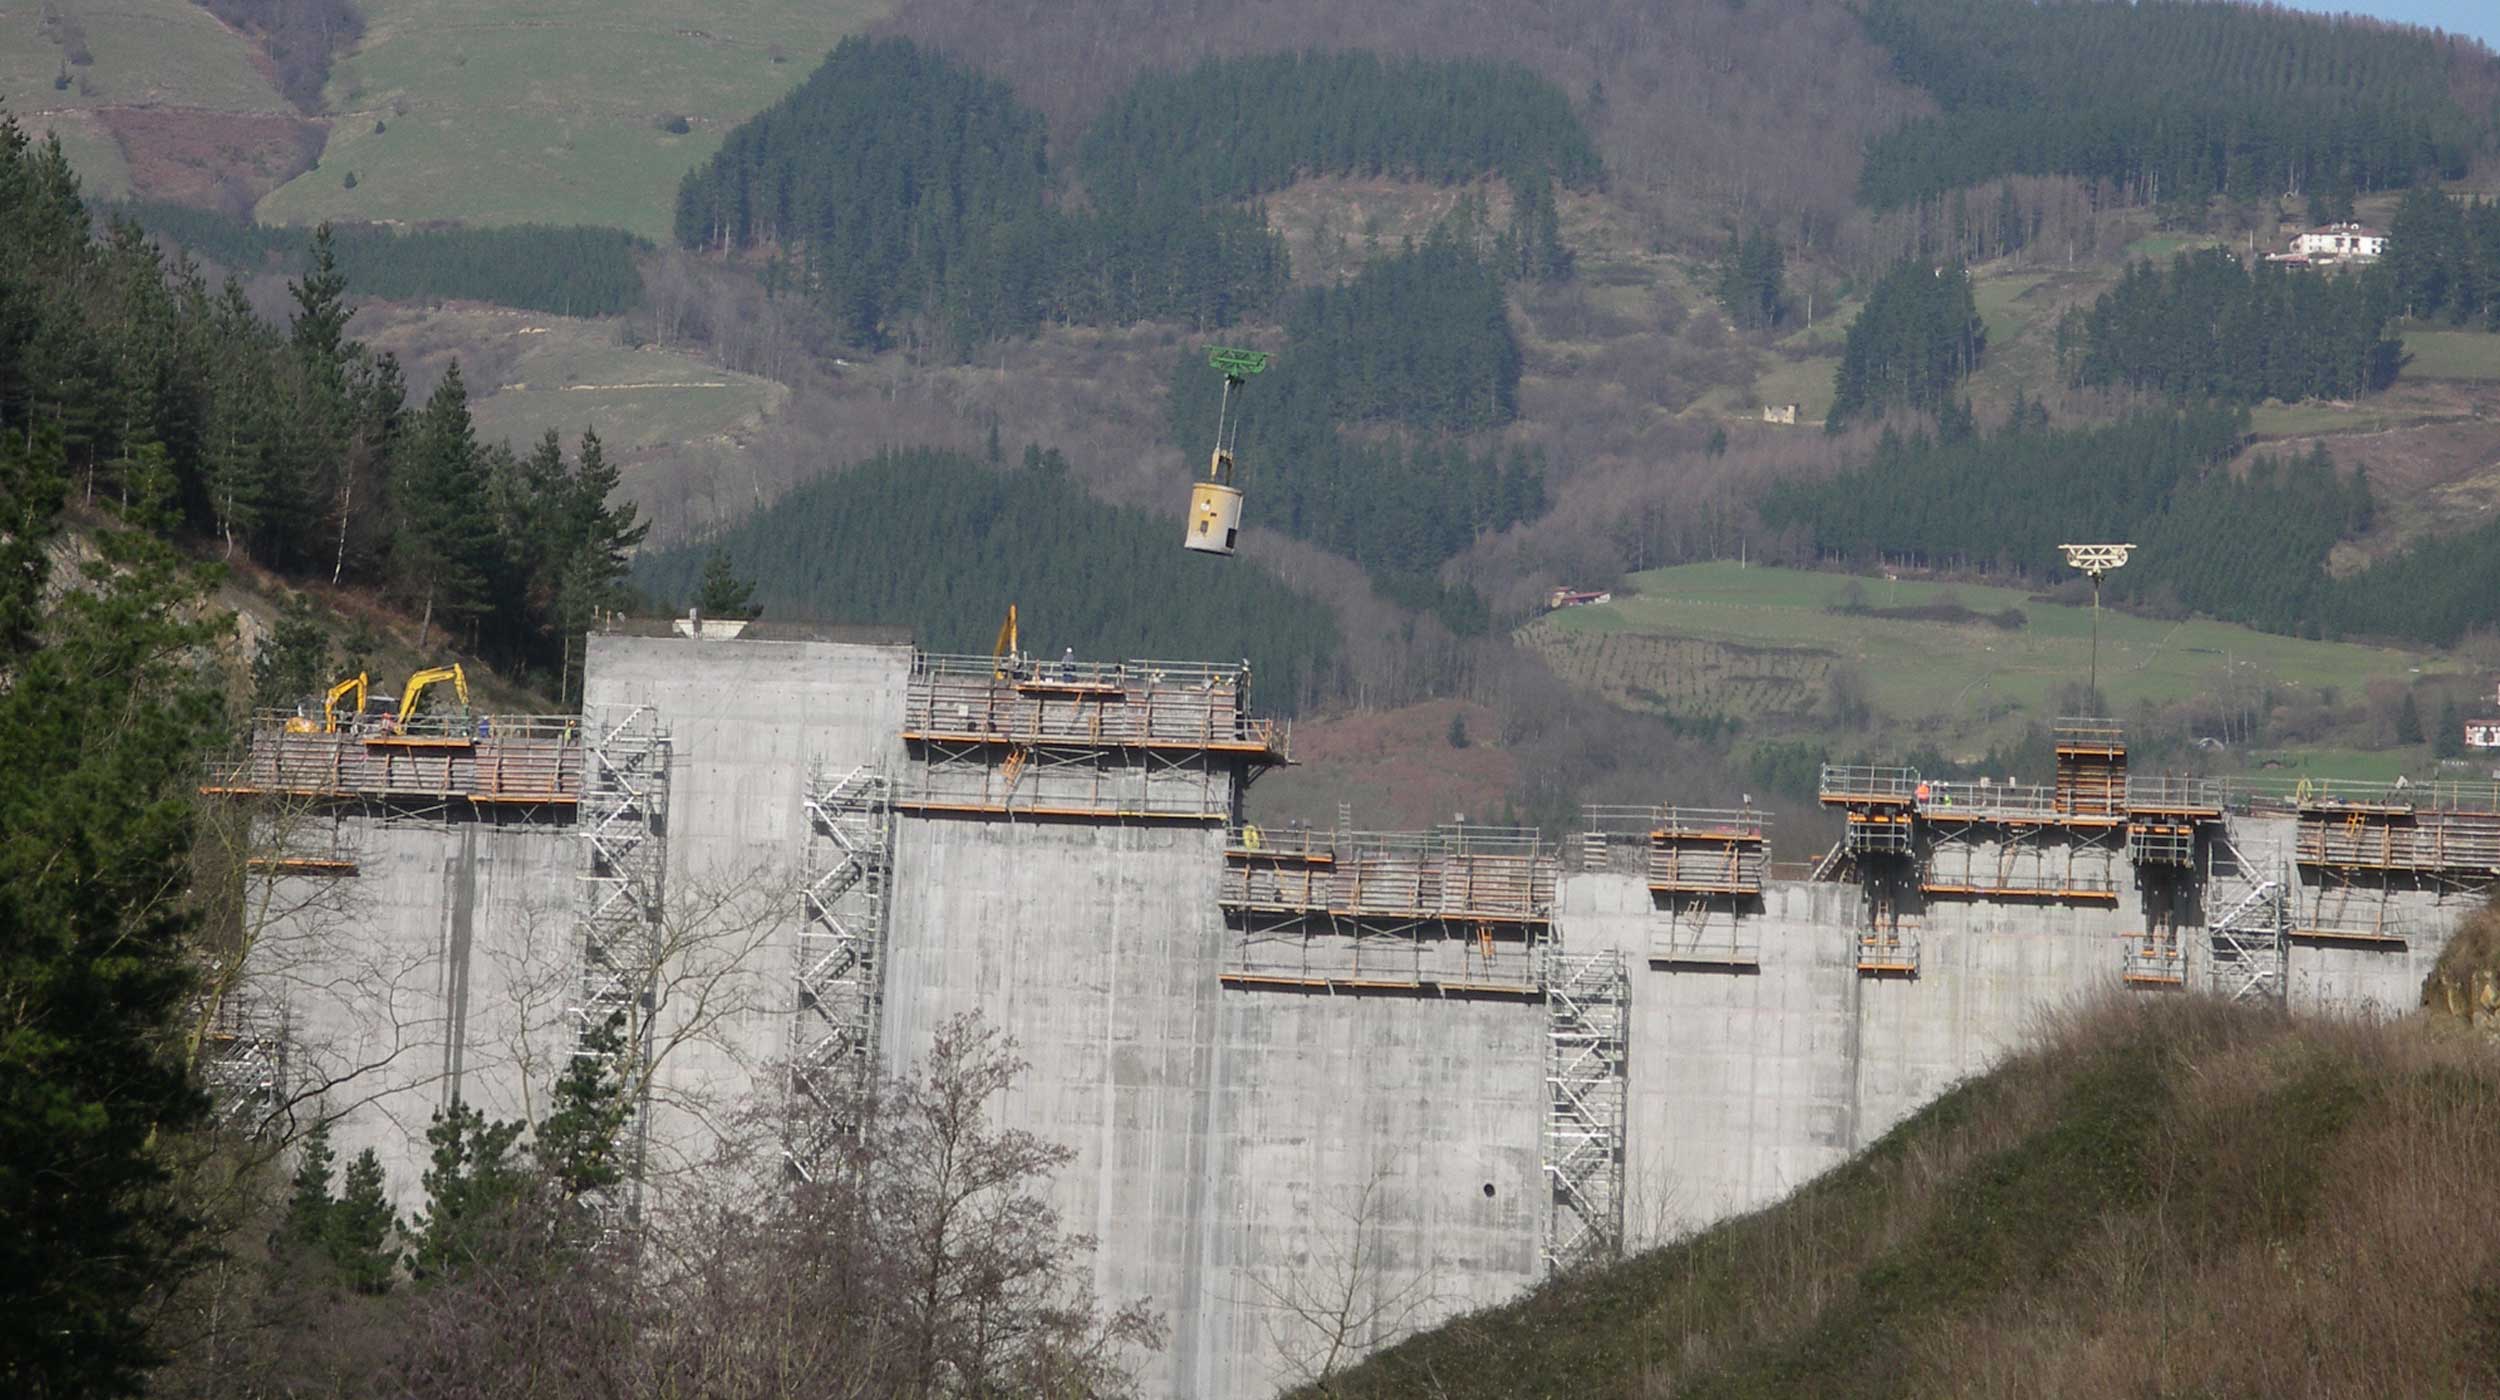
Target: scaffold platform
[
  {"x": 2153, "y": 961},
  {"x": 1128, "y": 740},
  {"x": 1456, "y": 910},
  {"x": 1498, "y": 875},
  {"x": 508, "y": 761},
  {"x": 1707, "y": 850},
  {"x": 1888, "y": 951}
]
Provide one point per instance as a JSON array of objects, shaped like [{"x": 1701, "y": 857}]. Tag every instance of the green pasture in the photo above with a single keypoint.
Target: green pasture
[
  {"x": 1958, "y": 685},
  {"x": 2451, "y": 354},
  {"x": 539, "y": 112},
  {"x": 169, "y": 53},
  {"x": 641, "y": 401}
]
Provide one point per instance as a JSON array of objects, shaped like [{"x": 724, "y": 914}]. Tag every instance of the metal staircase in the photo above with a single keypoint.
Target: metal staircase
[
  {"x": 841, "y": 960},
  {"x": 1585, "y": 997}
]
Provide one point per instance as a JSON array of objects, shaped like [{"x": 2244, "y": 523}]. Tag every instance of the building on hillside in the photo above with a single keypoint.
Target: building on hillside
[
  {"x": 2333, "y": 243},
  {"x": 1783, "y": 414},
  {"x": 1562, "y": 598}
]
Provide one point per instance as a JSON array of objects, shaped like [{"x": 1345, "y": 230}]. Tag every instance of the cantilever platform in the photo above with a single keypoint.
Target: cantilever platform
[{"x": 510, "y": 761}]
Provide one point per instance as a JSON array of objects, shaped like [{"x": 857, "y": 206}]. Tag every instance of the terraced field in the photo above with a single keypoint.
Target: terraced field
[{"x": 1768, "y": 647}]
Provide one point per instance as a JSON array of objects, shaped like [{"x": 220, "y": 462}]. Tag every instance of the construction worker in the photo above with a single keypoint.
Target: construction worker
[{"x": 1067, "y": 664}]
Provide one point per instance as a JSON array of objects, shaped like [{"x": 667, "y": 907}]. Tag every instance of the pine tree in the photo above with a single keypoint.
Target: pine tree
[
  {"x": 448, "y": 551},
  {"x": 723, "y": 594},
  {"x": 473, "y": 1189},
  {"x": 358, "y": 1233},
  {"x": 2449, "y": 742},
  {"x": 309, "y": 1204},
  {"x": 2408, "y": 720},
  {"x": 577, "y": 1147}
]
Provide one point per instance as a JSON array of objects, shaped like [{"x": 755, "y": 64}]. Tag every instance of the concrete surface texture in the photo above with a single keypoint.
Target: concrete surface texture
[{"x": 1251, "y": 1161}]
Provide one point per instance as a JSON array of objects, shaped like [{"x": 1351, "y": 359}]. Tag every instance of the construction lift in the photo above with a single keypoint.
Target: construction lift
[{"x": 1214, "y": 504}]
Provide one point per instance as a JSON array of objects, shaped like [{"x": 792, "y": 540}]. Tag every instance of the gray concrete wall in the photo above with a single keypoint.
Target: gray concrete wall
[
  {"x": 1244, "y": 1157},
  {"x": 439, "y": 969},
  {"x": 749, "y": 722}
]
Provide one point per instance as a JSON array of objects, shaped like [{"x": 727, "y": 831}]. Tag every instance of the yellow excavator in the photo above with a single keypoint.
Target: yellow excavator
[
  {"x": 1003, "y": 654},
  {"x": 432, "y": 676},
  {"x": 354, "y": 685}
]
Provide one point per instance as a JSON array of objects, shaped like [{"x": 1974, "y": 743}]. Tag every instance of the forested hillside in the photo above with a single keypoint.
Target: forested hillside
[
  {"x": 171, "y": 403},
  {"x": 942, "y": 544},
  {"x": 2443, "y": 258},
  {"x": 1919, "y": 337},
  {"x": 1233, "y": 128},
  {"x": 900, "y": 184},
  {"x": 2214, "y": 327},
  {"x": 1419, "y": 340},
  {"x": 568, "y": 271},
  {"x": 2165, "y": 100}
]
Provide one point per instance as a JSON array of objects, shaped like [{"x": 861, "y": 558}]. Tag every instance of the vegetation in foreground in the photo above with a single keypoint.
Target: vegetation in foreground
[{"x": 2167, "y": 1196}]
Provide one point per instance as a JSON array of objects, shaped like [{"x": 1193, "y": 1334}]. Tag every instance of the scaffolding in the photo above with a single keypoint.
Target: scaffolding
[
  {"x": 1585, "y": 1000},
  {"x": 492, "y": 762},
  {"x": 1703, "y": 931},
  {"x": 243, "y": 1058},
  {"x": 2246, "y": 925},
  {"x": 1887, "y": 939},
  {"x": 2398, "y": 839},
  {"x": 841, "y": 964},
  {"x": 2351, "y": 907},
  {"x": 1454, "y": 910},
  {"x": 1133, "y": 740},
  {"x": 623, "y": 825},
  {"x": 2153, "y": 959},
  {"x": 1976, "y": 856},
  {"x": 1707, "y": 850},
  {"x": 2091, "y": 767},
  {"x": 1878, "y": 805}
]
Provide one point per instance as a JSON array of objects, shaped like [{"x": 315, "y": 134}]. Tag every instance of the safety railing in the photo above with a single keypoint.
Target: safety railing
[
  {"x": 1846, "y": 783},
  {"x": 1147, "y": 704},
  {"x": 2430, "y": 842},
  {"x": 514, "y": 759},
  {"x": 1453, "y": 873},
  {"x": 1986, "y": 801},
  {"x": 2163, "y": 793},
  {"x": 2151, "y": 960}
]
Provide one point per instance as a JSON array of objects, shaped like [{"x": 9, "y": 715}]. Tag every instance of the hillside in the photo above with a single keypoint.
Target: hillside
[
  {"x": 1903, "y": 665},
  {"x": 504, "y": 113},
  {"x": 2163, "y": 1196}
]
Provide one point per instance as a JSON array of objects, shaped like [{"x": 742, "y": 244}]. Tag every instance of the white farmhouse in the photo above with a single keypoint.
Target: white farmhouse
[{"x": 2341, "y": 243}]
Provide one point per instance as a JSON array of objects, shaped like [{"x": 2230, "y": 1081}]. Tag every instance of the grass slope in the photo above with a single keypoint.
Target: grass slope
[
  {"x": 147, "y": 53},
  {"x": 674, "y": 422},
  {"x": 1763, "y": 645},
  {"x": 2170, "y": 1196},
  {"x": 545, "y": 112}
]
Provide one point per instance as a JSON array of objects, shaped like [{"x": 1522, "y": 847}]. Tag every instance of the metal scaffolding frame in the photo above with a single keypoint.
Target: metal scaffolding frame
[
  {"x": 1586, "y": 996},
  {"x": 1126, "y": 740},
  {"x": 2081, "y": 865},
  {"x": 624, "y": 829},
  {"x": 2247, "y": 924},
  {"x": 243, "y": 1058},
  {"x": 1455, "y": 910},
  {"x": 841, "y": 963}
]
